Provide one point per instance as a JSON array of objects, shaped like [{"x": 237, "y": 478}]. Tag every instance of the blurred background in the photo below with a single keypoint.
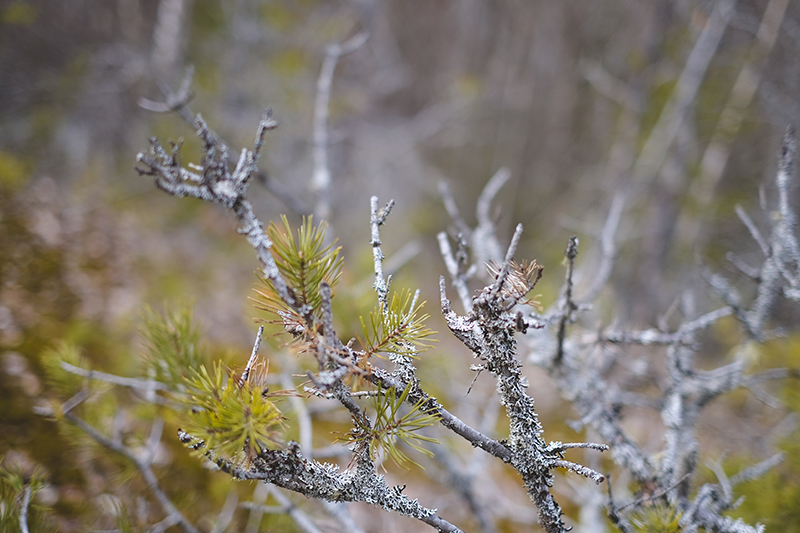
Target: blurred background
[{"x": 676, "y": 106}]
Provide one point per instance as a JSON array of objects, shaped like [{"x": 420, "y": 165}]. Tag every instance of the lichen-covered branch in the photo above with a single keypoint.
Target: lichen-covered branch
[
  {"x": 290, "y": 470},
  {"x": 580, "y": 359},
  {"x": 488, "y": 331}
]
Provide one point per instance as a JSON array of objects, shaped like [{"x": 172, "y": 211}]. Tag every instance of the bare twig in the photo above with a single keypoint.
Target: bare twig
[
  {"x": 303, "y": 416},
  {"x": 377, "y": 218},
  {"x": 566, "y": 306},
  {"x": 285, "y": 507},
  {"x": 226, "y": 514},
  {"x": 490, "y": 190},
  {"x": 23, "y": 512},
  {"x": 146, "y": 385},
  {"x": 452, "y": 209},
  {"x": 153, "y": 440},
  {"x": 459, "y": 477},
  {"x": 173, "y": 101},
  {"x": 488, "y": 332},
  {"x": 75, "y": 400},
  {"x": 321, "y": 179},
  {"x": 717, "y": 153},
  {"x": 252, "y": 360},
  {"x": 290, "y": 470},
  {"x": 654, "y": 496},
  {"x": 608, "y": 249},
  {"x": 655, "y": 337},
  {"x": 753, "y": 229},
  {"x": 608, "y": 85},
  {"x": 260, "y": 494},
  {"x": 757, "y": 470},
  {"x": 148, "y": 475},
  {"x": 674, "y": 112},
  {"x": 458, "y": 279},
  {"x": 484, "y": 241},
  {"x": 614, "y": 512}
]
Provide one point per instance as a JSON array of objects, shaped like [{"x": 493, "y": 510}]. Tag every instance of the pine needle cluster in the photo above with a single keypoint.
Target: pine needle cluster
[
  {"x": 657, "y": 518},
  {"x": 305, "y": 263},
  {"x": 13, "y": 485},
  {"x": 391, "y": 425},
  {"x": 172, "y": 343},
  {"x": 398, "y": 329},
  {"x": 237, "y": 419},
  {"x": 65, "y": 384}
]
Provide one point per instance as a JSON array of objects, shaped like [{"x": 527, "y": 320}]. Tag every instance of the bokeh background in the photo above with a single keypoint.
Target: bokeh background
[{"x": 678, "y": 106}]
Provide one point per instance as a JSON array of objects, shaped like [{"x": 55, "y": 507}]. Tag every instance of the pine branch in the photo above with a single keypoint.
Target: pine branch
[
  {"x": 488, "y": 331},
  {"x": 290, "y": 470}
]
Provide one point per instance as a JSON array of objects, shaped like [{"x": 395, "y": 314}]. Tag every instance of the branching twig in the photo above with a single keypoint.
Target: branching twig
[
  {"x": 226, "y": 514},
  {"x": 608, "y": 249},
  {"x": 488, "y": 329},
  {"x": 488, "y": 332},
  {"x": 148, "y": 475},
  {"x": 458, "y": 278}
]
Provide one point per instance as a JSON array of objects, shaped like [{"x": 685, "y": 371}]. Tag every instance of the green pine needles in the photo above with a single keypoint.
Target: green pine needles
[
  {"x": 400, "y": 329},
  {"x": 396, "y": 327},
  {"x": 17, "y": 496},
  {"x": 305, "y": 263},
  {"x": 235, "y": 418},
  {"x": 657, "y": 518},
  {"x": 172, "y": 344},
  {"x": 391, "y": 425}
]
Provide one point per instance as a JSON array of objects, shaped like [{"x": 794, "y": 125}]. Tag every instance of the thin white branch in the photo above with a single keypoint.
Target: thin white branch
[
  {"x": 490, "y": 190},
  {"x": 608, "y": 248},
  {"x": 753, "y": 229},
  {"x": 148, "y": 475},
  {"x": 286, "y": 506},
  {"x": 757, "y": 470},
  {"x": 253, "y": 356},
  {"x": 340, "y": 511},
  {"x": 174, "y": 101},
  {"x": 585, "y": 471},
  {"x": 377, "y": 218},
  {"x": 457, "y": 278},
  {"x": 452, "y": 210},
  {"x": 321, "y": 180},
  {"x": 23, "y": 512},
  {"x": 303, "y": 417},
  {"x": 484, "y": 241},
  {"x": 663, "y": 134},
  {"x": 153, "y": 440},
  {"x": 608, "y": 85},
  {"x": 717, "y": 153},
  {"x": 226, "y": 514},
  {"x": 147, "y": 385}
]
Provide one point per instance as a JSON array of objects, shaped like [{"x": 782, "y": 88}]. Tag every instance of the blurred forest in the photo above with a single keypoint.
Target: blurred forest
[{"x": 678, "y": 107}]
